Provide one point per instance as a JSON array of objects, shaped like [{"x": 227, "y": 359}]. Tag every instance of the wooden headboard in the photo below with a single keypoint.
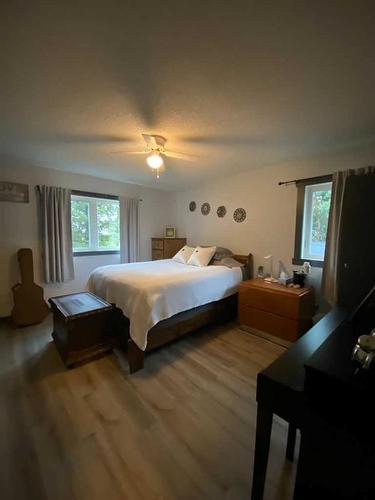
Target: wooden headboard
[{"x": 248, "y": 261}]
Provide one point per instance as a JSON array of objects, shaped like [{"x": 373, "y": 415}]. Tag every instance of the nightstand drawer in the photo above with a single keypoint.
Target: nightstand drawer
[
  {"x": 157, "y": 244},
  {"x": 268, "y": 300},
  {"x": 157, "y": 254},
  {"x": 279, "y": 326}
]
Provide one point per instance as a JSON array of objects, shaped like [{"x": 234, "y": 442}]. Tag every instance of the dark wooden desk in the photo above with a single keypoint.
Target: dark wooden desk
[
  {"x": 280, "y": 390},
  {"x": 337, "y": 454}
]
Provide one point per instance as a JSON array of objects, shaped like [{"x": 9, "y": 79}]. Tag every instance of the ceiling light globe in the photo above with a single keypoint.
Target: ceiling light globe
[{"x": 154, "y": 161}]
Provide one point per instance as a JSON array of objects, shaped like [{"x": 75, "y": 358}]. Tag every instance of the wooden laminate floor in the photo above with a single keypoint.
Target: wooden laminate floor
[{"x": 183, "y": 428}]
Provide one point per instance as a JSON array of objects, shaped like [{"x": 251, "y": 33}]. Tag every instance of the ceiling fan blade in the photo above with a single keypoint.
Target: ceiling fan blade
[
  {"x": 225, "y": 140},
  {"x": 180, "y": 156},
  {"x": 154, "y": 141},
  {"x": 129, "y": 152},
  {"x": 150, "y": 141}
]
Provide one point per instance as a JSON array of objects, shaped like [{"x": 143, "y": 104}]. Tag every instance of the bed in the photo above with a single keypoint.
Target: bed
[{"x": 159, "y": 301}]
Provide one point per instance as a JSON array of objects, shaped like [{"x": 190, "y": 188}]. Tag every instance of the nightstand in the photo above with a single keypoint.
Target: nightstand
[{"x": 275, "y": 310}]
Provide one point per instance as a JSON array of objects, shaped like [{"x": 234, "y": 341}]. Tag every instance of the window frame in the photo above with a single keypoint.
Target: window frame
[
  {"x": 300, "y": 212},
  {"x": 86, "y": 194}
]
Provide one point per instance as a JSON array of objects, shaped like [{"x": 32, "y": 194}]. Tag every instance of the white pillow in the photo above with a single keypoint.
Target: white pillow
[
  {"x": 184, "y": 254},
  {"x": 202, "y": 256}
]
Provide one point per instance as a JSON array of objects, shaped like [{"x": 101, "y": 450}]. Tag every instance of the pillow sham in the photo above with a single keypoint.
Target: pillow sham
[
  {"x": 222, "y": 252},
  {"x": 184, "y": 254},
  {"x": 202, "y": 256}
]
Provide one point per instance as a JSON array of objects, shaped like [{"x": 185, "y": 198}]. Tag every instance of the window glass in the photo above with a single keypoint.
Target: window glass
[
  {"x": 95, "y": 224},
  {"x": 80, "y": 225},
  {"x": 315, "y": 220},
  {"x": 108, "y": 224}
]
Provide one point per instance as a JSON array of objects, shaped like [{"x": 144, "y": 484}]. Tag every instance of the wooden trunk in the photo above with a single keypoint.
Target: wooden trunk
[{"x": 84, "y": 327}]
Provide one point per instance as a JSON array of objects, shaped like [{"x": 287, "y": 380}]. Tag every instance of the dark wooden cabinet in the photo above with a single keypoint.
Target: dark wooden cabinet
[
  {"x": 356, "y": 269},
  {"x": 166, "y": 248}
]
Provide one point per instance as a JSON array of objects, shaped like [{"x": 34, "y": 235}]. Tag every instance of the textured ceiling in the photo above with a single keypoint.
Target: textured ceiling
[{"x": 242, "y": 84}]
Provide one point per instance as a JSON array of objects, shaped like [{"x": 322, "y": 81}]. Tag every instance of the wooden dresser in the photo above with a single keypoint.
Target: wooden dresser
[
  {"x": 166, "y": 248},
  {"x": 274, "y": 309}
]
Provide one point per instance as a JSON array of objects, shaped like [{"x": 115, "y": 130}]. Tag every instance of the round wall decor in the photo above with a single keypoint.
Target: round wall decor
[
  {"x": 221, "y": 211},
  {"x": 205, "y": 208},
  {"x": 192, "y": 206},
  {"x": 239, "y": 214}
]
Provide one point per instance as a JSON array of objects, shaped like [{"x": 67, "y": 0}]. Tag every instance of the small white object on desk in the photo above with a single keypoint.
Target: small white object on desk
[
  {"x": 270, "y": 278},
  {"x": 306, "y": 268}
]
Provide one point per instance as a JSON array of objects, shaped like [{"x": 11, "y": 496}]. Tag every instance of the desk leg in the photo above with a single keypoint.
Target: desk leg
[
  {"x": 292, "y": 430},
  {"x": 304, "y": 467},
  {"x": 262, "y": 446}
]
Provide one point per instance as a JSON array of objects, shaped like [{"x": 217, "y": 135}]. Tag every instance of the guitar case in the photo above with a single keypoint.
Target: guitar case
[{"x": 29, "y": 305}]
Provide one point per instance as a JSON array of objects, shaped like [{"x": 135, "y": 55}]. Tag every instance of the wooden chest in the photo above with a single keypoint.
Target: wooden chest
[
  {"x": 166, "y": 248},
  {"x": 83, "y": 327},
  {"x": 274, "y": 309}
]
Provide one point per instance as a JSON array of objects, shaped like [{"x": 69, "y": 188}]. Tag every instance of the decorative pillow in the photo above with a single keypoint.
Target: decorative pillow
[
  {"x": 184, "y": 254},
  {"x": 222, "y": 252},
  {"x": 202, "y": 256}
]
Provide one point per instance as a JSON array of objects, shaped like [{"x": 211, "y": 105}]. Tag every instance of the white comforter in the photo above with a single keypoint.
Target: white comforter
[{"x": 148, "y": 292}]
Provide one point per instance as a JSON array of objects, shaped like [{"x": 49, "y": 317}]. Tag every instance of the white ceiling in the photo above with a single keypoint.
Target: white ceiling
[{"x": 242, "y": 84}]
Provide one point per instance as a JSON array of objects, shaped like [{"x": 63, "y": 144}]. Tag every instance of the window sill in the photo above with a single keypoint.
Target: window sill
[
  {"x": 313, "y": 263},
  {"x": 96, "y": 252}
]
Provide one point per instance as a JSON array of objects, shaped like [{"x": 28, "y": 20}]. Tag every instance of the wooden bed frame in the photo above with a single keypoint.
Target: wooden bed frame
[{"x": 183, "y": 323}]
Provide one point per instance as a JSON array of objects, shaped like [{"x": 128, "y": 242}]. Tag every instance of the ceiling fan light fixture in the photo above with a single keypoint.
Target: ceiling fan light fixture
[{"x": 154, "y": 160}]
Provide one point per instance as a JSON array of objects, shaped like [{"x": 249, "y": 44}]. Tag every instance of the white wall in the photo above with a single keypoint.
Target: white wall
[
  {"x": 269, "y": 227},
  {"x": 271, "y": 209},
  {"x": 19, "y": 226}
]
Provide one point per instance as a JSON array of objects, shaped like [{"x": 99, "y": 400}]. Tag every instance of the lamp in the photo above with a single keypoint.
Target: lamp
[
  {"x": 270, "y": 279},
  {"x": 154, "y": 160}
]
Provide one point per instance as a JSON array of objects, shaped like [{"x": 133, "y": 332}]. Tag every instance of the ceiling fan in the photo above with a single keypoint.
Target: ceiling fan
[{"x": 155, "y": 149}]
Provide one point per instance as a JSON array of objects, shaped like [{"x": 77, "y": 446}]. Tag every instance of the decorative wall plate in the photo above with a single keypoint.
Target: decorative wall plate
[
  {"x": 192, "y": 206},
  {"x": 239, "y": 214},
  {"x": 205, "y": 208},
  {"x": 221, "y": 211}
]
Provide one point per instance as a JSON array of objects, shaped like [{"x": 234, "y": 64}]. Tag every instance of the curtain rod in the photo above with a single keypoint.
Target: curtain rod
[
  {"x": 98, "y": 195},
  {"x": 323, "y": 178},
  {"x": 93, "y": 195}
]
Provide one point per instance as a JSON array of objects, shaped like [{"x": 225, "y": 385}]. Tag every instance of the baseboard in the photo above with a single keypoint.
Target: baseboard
[{"x": 266, "y": 336}]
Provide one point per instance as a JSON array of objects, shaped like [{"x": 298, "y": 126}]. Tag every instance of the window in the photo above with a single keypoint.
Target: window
[
  {"x": 313, "y": 204},
  {"x": 95, "y": 224}
]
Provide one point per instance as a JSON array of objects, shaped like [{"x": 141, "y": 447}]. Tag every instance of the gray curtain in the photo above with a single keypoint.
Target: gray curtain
[
  {"x": 56, "y": 232},
  {"x": 330, "y": 284},
  {"x": 129, "y": 230}
]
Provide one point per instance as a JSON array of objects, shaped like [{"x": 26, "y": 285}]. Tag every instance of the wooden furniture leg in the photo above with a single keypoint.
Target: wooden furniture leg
[
  {"x": 292, "y": 431},
  {"x": 262, "y": 446},
  {"x": 303, "y": 468},
  {"x": 135, "y": 357}
]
